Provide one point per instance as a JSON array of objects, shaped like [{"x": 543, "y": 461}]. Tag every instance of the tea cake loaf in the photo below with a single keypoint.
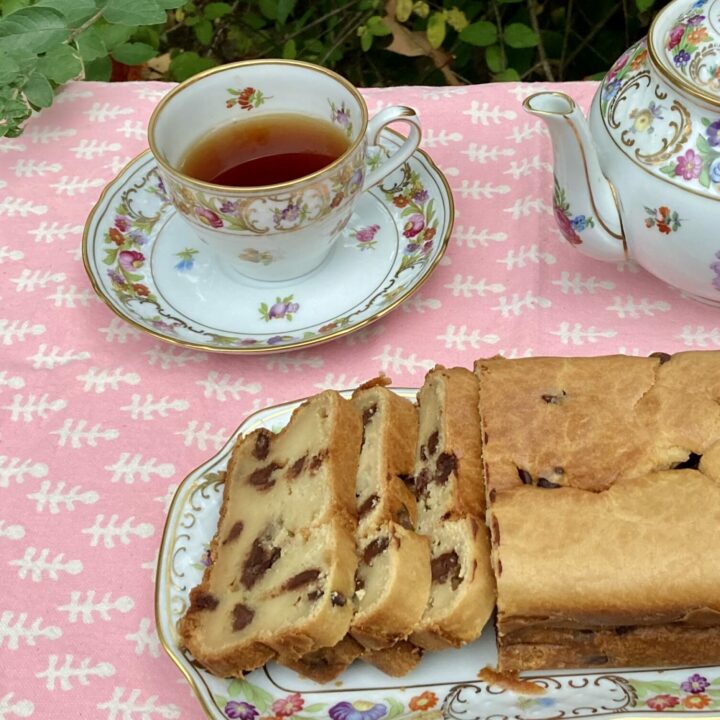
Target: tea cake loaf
[
  {"x": 283, "y": 558},
  {"x": 450, "y": 507},
  {"x": 603, "y": 482},
  {"x": 392, "y": 558}
]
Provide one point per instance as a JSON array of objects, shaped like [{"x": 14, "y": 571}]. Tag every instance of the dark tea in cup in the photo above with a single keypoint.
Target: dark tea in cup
[{"x": 265, "y": 150}]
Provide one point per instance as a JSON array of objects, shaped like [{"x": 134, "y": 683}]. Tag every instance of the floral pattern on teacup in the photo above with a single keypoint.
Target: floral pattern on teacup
[
  {"x": 257, "y": 256},
  {"x": 340, "y": 115},
  {"x": 279, "y": 212},
  {"x": 246, "y": 99}
]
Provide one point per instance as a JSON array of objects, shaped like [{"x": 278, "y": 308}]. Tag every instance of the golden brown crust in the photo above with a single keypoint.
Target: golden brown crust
[
  {"x": 623, "y": 646},
  {"x": 462, "y": 423},
  {"x": 462, "y": 620},
  {"x": 405, "y": 596},
  {"x": 397, "y": 660},
  {"x": 326, "y": 664},
  {"x": 586, "y": 509}
]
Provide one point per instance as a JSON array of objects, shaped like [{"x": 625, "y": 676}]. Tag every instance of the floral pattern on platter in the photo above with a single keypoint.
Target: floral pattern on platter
[
  {"x": 664, "y": 219},
  {"x": 284, "y": 212},
  {"x": 281, "y": 308},
  {"x": 246, "y": 99},
  {"x": 570, "y": 225},
  {"x": 259, "y": 702},
  {"x": 696, "y": 692}
]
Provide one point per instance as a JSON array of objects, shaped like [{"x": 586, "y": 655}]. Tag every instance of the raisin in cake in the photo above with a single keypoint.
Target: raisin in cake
[
  {"x": 603, "y": 481},
  {"x": 391, "y": 557},
  {"x": 283, "y": 558},
  {"x": 450, "y": 506}
]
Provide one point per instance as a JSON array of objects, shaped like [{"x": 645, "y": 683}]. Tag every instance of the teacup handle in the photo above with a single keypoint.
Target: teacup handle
[{"x": 397, "y": 113}]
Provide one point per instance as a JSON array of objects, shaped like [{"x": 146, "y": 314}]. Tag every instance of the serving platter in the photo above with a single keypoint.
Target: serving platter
[{"x": 445, "y": 685}]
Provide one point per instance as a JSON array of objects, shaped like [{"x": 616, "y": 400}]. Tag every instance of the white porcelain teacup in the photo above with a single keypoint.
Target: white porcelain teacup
[{"x": 282, "y": 231}]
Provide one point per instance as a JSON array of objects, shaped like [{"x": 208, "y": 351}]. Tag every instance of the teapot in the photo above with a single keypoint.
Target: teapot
[{"x": 640, "y": 178}]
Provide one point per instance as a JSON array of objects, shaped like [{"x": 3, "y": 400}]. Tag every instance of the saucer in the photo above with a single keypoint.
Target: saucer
[{"x": 151, "y": 269}]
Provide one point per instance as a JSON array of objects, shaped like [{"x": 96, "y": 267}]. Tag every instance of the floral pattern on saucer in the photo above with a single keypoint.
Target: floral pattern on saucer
[
  {"x": 445, "y": 686},
  {"x": 129, "y": 258}
]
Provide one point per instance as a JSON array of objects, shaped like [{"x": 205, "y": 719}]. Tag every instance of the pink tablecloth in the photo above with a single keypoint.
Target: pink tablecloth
[{"x": 99, "y": 423}]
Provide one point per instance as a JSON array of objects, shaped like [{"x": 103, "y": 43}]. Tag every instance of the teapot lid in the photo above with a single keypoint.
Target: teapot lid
[{"x": 684, "y": 43}]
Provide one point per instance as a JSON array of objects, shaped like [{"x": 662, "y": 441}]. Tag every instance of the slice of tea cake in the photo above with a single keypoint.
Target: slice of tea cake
[
  {"x": 451, "y": 505},
  {"x": 392, "y": 558},
  {"x": 283, "y": 558}
]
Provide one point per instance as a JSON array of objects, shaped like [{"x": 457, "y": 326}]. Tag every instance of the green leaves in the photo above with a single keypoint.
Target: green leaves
[
  {"x": 644, "y": 5},
  {"x": 215, "y": 10},
  {"x": 60, "y": 64},
  {"x": 436, "y": 29},
  {"x": 133, "y": 12},
  {"x": 38, "y": 91},
  {"x": 519, "y": 35},
  {"x": 187, "y": 64},
  {"x": 75, "y": 12},
  {"x": 481, "y": 33},
  {"x": 90, "y": 44},
  {"x": 278, "y": 10},
  {"x": 36, "y": 29},
  {"x": 133, "y": 53}
]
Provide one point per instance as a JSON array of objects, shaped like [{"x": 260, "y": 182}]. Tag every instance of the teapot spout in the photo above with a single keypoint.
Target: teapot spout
[{"x": 584, "y": 200}]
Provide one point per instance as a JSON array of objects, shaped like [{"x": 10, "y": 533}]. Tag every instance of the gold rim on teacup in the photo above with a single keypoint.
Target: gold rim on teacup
[{"x": 232, "y": 189}]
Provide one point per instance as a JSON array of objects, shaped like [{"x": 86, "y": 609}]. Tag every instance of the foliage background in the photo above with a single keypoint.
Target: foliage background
[{"x": 44, "y": 43}]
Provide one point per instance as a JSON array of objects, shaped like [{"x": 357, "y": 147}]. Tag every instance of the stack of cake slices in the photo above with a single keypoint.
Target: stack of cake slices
[{"x": 322, "y": 554}]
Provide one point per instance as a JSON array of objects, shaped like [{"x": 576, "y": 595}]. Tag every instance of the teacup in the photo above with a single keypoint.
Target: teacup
[{"x": 281, "y": 231}]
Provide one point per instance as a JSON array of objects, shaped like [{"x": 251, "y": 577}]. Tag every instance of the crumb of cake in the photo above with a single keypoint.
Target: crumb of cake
[
  {"x": 382, "y": 380},
  {"x": 338, "y": 683},
  {"x": 510, "y": 681}
]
